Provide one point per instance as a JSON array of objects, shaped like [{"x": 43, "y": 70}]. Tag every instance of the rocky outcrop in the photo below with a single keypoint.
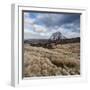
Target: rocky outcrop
[{"x": 57, "y": 36}]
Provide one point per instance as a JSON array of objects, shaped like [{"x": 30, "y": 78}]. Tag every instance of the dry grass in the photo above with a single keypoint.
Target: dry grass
[{"x": 62, "y": 60}]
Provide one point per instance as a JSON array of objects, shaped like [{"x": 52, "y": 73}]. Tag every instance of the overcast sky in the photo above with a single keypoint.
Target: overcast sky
[{"x": 42, "y": 25}]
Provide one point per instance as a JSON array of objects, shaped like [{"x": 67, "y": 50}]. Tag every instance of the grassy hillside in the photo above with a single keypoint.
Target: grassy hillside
[{"x": 64, "y": 59}]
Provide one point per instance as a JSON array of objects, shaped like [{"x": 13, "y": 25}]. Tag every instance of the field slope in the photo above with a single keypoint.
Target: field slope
[{"x": 64, "y": 59}]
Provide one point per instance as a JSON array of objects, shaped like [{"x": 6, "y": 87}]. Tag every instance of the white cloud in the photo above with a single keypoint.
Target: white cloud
[
  {"x": 50, "y": 19},
  {"x": 28, "y": 22},
  {"x": 26, "y": 15},
  {"x": 39, "y": 28},
  {"x": 29, "y": 35},
  {"x": 68, "y": 33}
]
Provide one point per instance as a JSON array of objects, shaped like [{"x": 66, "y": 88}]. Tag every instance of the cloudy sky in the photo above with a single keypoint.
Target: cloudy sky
[{"x": 38, "y": 25}]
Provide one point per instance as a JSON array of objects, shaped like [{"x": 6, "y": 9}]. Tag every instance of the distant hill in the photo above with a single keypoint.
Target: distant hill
[{"x": 56, "y": 38}]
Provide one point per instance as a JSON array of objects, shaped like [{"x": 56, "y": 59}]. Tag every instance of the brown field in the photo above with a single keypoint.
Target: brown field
[{"x": 62, "y": 60}]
